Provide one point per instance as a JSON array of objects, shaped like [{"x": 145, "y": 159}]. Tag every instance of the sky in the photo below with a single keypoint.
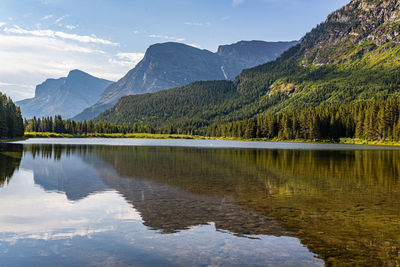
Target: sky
[{"x": 42, "y": 39}]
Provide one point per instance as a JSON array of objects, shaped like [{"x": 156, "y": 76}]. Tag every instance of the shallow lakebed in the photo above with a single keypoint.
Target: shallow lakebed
[{"x": 143, "y": 202}]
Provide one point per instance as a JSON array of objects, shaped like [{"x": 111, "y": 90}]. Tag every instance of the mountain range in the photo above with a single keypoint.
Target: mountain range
[
  {"x": 169, "y": 65},
  {"x": 352, "y": 56},
  {"x": 164, "y": 66},
  {"x": 65, "y": 96}
]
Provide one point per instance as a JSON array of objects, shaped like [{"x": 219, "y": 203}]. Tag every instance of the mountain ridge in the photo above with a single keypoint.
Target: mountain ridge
[
  {"x": 328, "y": 67},
  {"x": 169, "y": 65}
]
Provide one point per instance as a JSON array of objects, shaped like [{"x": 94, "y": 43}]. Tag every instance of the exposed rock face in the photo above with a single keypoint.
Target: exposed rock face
[
  {"x": 64, "y": 96},
  {"x": 170, "y": 65},
  {"x": 359, "y": 22}
]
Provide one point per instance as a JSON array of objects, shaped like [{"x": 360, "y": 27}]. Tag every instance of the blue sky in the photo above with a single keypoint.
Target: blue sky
[{"x": 42, "y": 39}]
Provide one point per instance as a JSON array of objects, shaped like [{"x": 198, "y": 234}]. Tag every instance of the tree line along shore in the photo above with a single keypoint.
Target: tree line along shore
[{"x": 366, "y": 122}]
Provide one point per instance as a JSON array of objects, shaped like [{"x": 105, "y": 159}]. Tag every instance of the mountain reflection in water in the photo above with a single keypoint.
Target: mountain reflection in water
[{"x": 342, "y": 205}]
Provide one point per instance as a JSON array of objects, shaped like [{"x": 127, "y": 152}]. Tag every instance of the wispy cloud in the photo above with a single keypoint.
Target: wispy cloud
[
  {"x": 28, "y": 60},
  {"x": 134, "y": 57},
  {"x": 10, "y": 43},
  {"x": 63, "y": 218},
  {"x": 136, "y": 32},
  {"x": 59, "y": 34},
  {"x": 62, "y": 18},
  {"x": 14, "y": 91},
  {"x": 71, "y": 27},
  {"x": 166, "y": 37},
  {"x": 30, "y": 54},
  {"x": 13, "y": 84},
  {"x": 2, "y": 24},
  {"x": 47, "y": 17},
  {"x": 208, "y": 24},
  {"x": 50, "y": 2},
  {"x": 195, "y": 45},
  {"x": 127, "y": 59}
]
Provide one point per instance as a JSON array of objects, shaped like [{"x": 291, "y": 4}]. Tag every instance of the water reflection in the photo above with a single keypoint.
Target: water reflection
[
  {"x": 165, "y": 205},
  {"x": 10, "y": 158},
  {"x": 344, "y": 205},
  {"x": 57, "y": 170}
]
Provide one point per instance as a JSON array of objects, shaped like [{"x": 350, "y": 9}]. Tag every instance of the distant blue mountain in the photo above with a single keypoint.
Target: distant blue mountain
[{"x": 65, "y": 96}]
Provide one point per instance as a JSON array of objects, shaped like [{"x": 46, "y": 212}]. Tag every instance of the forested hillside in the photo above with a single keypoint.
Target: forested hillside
[
  {"x": 366, "y": 120},
  {"x": 190, "y": 107},
  {"x": 169, "y": 65},
  {"x": 351, "y": 57}
]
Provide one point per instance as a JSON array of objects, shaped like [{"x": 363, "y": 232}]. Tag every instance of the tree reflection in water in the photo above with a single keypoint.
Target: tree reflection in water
[{"x": 343, "y": 205}]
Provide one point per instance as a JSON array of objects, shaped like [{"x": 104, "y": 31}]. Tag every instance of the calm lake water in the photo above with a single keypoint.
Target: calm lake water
[{"x": 119, "y": 202}]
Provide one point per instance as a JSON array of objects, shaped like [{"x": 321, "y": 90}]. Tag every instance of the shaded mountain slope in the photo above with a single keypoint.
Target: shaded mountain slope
[
  {"x": 170, "y": 65},
  {"x": 184, "y": 104},
  {"x": 64, "y": 96}
]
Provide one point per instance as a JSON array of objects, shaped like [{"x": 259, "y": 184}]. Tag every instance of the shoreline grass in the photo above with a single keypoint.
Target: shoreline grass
[
  {"x": 352, "y": 141},
  {"x": 114, "y": 135},
  {"x": 13, "y": 140}
]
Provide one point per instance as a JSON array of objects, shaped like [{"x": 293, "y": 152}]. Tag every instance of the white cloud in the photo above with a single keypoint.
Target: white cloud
[
  {"x": 34, "y": 54},
  {"x": 136, "y": 32},
  {"x": 71, "y": 27},
  {"x": 62, "y": 18},
  {"x": 41, "y": 56},
  {"x": 29, "y": 57},
  {"x": 59, "y": 34},
  {"x": 122, "y": 63},
  {"x": 166, "y": 37},
  {"x": 2, "y": 24},
  {"x": 29, "y": 60},
  {"x": 9, "y": 44},
  {"x": 47, "y": 17},
  {"x": 5, "y": 84},
  {"x": 134, "y": 57},
  {"x": 13, "y": 84},
  {"x": 127, "y": 59},
  {"x": 14, "y": 90},
  {"x": 196, "y": 45},
  {"x": 62, "y": 218},
  {"x": 207, "y": 24}
]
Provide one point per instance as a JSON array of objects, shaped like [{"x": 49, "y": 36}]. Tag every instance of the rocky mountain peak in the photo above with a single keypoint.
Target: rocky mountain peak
[
  {"x": 77, "y": 73},
  {"x": 368, "y": 23},
  {"x": 65, "y": 96},
  {"x": 171, "y": 64}
]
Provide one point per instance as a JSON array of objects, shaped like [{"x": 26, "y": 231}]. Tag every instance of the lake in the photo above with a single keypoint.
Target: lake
[{"x": 127, "y": 202}]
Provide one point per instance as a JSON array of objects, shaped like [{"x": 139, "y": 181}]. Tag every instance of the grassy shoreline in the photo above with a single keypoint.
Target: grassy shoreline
[
  {"x": 352, "y": 141},
  {"x": 114, "y": 135},
  {"x": 13, "y": 140}
]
